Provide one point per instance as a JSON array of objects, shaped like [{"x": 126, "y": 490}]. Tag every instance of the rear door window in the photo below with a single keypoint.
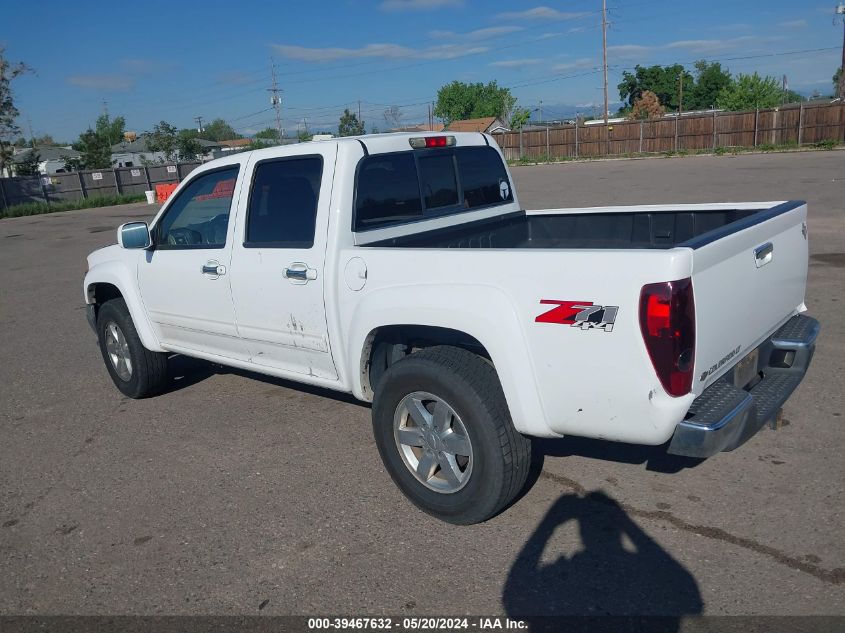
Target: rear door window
[{"x": 283, "y": 203}]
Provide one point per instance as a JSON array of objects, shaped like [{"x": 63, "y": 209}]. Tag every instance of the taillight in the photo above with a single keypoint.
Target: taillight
[
  {"x": 421, "y": 142},
  {"x": 667, "y": 322}
]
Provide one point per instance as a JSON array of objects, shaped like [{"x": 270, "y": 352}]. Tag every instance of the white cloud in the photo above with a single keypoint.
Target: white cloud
[
  {"x": 515, "y": 63},
  {"x": 540, "y": 13},
  {"x": 377, "y": 51},
  {"x": 107, "y": 83},
  {"x": 578, "y": 64},
  {"x": 418, "y": 5},
  {"x": 793, "y": 24},
  {"x": 717, "y": 46},
  {"x": 478, "y": 34},
  {"x": 697, "y": 47}
]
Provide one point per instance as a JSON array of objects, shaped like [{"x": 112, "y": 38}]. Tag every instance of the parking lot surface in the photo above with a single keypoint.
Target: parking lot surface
[{"x": 235, "y": 493}]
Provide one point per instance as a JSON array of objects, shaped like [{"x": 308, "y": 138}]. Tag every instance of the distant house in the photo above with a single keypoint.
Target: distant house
[
  {"x": 488, "y": 124},
  {"x": 134, "y": 153},
  {"x": 235, "y": 145},
  {"x": 51, "y": 158},
  {"x": 137, "y": 152}
]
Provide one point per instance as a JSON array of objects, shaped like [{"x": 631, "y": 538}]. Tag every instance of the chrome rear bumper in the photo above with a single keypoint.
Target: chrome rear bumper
[{"x": 724, "y": 416}]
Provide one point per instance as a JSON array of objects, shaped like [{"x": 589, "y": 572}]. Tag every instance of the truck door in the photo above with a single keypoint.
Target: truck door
[
  {"x": 184, "y": 280},
  {"x": 278, "y": 272}
]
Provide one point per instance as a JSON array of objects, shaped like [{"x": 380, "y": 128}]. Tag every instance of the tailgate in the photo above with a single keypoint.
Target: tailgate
[{"x": 748, "y": 278}]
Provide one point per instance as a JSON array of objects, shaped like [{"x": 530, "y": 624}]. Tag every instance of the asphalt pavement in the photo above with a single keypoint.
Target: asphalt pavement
[{"x": 235, "y": 493}]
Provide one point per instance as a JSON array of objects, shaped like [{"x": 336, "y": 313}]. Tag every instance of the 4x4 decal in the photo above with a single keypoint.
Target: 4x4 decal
[{"x": 581, "y": 314}]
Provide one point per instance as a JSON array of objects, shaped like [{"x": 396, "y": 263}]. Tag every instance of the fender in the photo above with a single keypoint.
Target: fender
[
  {"x": 115, "y": 272},
  {"x": 450, "y": 306}
]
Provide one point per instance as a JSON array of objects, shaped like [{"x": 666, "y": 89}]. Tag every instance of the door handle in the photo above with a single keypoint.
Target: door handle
[
  {"x": 763, "y": 254},
  {"x": 213, "y": 268},
  {"x": 300, "y": 273}
]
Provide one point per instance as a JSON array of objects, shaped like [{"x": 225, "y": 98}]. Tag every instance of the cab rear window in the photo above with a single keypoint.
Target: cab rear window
[{"x": 404, "y": 187}]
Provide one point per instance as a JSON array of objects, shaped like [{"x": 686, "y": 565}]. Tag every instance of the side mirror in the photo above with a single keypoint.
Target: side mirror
[{"x": 134, "y": 235}]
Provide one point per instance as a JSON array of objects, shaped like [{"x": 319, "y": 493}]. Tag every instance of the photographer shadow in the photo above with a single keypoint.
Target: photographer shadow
[{"x": 619, "y": 571}]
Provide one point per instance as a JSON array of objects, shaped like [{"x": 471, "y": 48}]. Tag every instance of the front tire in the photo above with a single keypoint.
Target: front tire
[
  {"x": 442, "y": 427},
  {"x": 136, "y": 371}
]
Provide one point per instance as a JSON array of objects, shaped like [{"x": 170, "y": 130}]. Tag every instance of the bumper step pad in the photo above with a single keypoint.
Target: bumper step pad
[{"x": 724, "y": 417}]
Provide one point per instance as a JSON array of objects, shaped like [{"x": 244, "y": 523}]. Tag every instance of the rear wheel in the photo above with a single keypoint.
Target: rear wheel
[
  {"x": 136, "y": 371},
  {"x": 445, "y": 435}
]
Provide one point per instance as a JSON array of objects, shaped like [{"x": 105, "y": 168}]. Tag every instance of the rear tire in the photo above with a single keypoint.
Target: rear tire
[
  {"x": 136, "y": 371},
  {"x": 430, "y": 464}
]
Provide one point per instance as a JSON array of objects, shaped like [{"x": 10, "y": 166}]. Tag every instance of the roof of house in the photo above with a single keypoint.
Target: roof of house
[
  {"x": 47, "y": 152},
  {"x": 139, "y": 145},
  {"x": 473, "y": 125},
  {"x": 237, "y": 142}
]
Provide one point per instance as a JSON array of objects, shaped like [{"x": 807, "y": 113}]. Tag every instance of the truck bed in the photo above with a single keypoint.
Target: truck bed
[{"x": 614, "y": 228}]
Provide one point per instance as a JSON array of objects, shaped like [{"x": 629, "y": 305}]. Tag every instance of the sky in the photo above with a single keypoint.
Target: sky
[{"x": 151, "y": 61}]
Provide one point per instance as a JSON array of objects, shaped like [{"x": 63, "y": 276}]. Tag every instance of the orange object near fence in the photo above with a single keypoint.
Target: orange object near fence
[{"x": 163, "y": 191}]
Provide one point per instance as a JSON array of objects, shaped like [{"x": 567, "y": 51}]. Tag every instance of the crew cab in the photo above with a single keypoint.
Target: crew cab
[{"x": 402, "y": 269}]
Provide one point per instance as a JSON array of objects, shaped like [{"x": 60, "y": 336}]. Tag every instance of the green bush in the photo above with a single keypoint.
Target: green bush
[
  {"x": 826, "y": 144},
  {"x": 37, "y": 208}
]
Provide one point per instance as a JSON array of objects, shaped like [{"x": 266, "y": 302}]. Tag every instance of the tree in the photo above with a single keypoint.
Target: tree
[
  {"x": 219, "y": 130},
  {"x": 748, "y": 92},
  {"x": 517, "y": 118},
  {"x": 72, "y": 164},
  {"x": 187, "y": 145},
  {"x": 349, "y": 124},
  {"x": 458, "y": 100},
  {"x": 95, "y": 150},
  {"x": 28, "y": 165},
  {"x": 163, "y": 139},
  {"x": 710, "y": 80},
  {"x": 269, "y": 134},
  {"x": 647, "y": 106},
  {"x": 663, "y": 81},
  {"x": 8, "y": 111},
  {"x": 304, "y": 135},
  {"x": 110, "y": 130}
]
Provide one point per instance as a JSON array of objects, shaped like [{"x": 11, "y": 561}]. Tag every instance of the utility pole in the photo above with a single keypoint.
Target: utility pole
[
  {"x": 785, "y": 88},
  {"x": 276, "y": 101},
  {"x": 198, "y": 119},
  {"x": 541, "y": 110},
  {"x": 681, "y": 95},
  {"x": 430, "y": 120},
  {"x": 680, "y": 108},
  {"x": 604, "y": 54},
  {"x": 31, "y": 135},
  {"x": 840, "y": 10}
]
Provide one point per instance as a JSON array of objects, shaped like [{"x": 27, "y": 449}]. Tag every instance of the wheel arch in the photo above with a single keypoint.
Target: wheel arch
[
  {"x": 481, "y": 319},
  {"x": 111, "y": 280}
]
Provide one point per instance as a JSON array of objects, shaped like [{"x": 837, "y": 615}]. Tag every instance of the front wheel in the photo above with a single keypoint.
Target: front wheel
[
  {"x": 445, "y": 435},
  {"x": 136, "y": 371}
]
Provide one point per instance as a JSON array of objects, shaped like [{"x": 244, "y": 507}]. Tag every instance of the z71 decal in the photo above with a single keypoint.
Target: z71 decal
[{"x": 580, "y": 314}]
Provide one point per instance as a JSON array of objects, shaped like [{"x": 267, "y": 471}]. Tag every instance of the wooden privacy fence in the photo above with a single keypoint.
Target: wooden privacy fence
[
  {"x": 89, "y": 183},
  {"x": 798, "y": 124}
]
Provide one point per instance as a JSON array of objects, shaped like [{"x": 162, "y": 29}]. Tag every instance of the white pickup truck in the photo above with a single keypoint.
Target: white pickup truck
[{"x": 402, "y": 269}]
